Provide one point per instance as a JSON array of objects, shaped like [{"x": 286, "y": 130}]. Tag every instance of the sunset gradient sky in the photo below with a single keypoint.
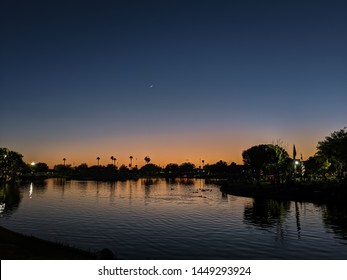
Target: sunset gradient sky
[{"x": 174, "y": 80}]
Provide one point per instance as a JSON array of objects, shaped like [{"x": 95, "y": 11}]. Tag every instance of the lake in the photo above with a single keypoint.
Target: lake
[{"x": 173, "y": 219}]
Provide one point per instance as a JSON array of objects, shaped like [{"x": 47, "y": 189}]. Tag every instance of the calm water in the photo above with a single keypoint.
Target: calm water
[{"x": 185, "y": 219}]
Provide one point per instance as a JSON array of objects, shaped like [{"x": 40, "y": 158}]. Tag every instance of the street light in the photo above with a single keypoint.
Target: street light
[
  {"x": 32, "y": 167},
  {"x": 296, "y": 163}
]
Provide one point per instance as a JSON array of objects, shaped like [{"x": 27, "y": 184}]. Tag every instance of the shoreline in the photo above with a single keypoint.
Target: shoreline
[
  {"x": 17, "y": 246},
  {"x": 312, "y": 193}
]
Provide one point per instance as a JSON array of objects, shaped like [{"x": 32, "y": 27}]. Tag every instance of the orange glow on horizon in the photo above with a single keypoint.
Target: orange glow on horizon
[
  {"x": 171, "y": 146},
  {"x": 163, "y": 150}
]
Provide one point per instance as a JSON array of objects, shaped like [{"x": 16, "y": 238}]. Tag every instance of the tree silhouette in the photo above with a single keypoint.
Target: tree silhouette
[
  {"x": 220, "y": 168},
  {"x": 131, "y": 161},
  {"x": 81, "y": 171},
  {"x": 172, "y": 169},
  {"x": 98, "y": 159},
  {"x": 63, "y": 170},
  {"x": 113, "y": 160},
  {"x": 265, "y": 157},
  {"x": 64, "y": 159},
  {"x": 147, "y": 159},
  {"x": 41, "y": 167},
  {"x": 334, "y": 149},
  {"x": 187, "y": 168},
  {"x": 11, "y": 164},
  {"x": 150, "y": 169}
]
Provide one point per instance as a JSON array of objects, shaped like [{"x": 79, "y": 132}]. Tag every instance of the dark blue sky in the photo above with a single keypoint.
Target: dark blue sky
[{"x": 174, "y": 80}]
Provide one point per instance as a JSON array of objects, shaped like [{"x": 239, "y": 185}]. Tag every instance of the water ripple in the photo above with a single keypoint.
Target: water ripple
[{"x": 177, "y": 221}]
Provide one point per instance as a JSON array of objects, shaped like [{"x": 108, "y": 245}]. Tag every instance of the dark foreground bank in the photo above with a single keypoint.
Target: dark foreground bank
[
  {"x": 15, "y": 246},
  {"x": 315, "y": 193}
]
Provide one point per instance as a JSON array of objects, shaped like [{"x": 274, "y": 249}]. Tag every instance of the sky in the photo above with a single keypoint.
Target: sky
[{"x": 173, "y": 80}]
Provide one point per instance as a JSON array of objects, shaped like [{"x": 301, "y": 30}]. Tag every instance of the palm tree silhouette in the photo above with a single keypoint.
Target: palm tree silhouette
[
  {"x": 131, "y": 161},
  {"x": 98, "y": 159},
  {"x": 113, "y": 160},
  {"x": 64, "y": 159}
]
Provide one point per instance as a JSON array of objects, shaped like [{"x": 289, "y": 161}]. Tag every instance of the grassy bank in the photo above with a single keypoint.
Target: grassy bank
[{"x": 15, "y": 246}]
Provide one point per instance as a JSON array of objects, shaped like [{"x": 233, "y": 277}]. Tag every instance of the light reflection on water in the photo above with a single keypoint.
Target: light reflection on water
[{"x": 183, "y": 219}]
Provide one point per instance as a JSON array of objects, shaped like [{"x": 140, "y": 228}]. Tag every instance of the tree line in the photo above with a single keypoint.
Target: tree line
[{"x": 268, "y": 162}]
